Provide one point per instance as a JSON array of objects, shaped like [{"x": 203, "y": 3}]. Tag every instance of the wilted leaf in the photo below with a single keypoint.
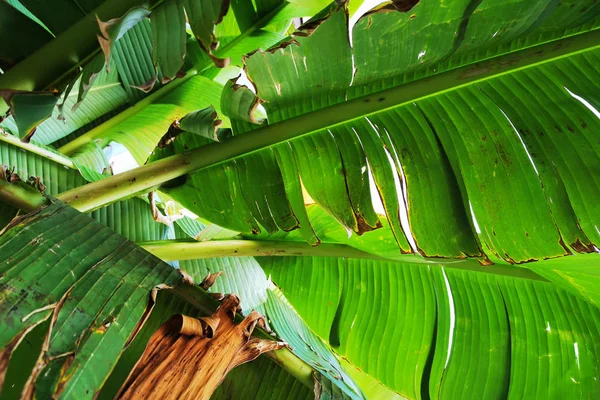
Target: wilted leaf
[
  {"x": 168, "y": 37},
  {"x": 113, "y": 29},
  {"x": 188, "y": 358},
  {"x": 203, "y": 15},
  {"x": 204, "y": 123},
  {"x": 88, "y": 76},
  {"x": 29, "y": 109},
  {"x": 239, "y": 102}
]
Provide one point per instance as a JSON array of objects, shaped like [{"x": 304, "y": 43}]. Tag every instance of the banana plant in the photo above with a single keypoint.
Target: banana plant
[{"x": 406, "y": 193}]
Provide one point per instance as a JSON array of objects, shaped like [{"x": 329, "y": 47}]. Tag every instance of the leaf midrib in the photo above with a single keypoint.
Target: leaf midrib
[
  {"x": 177, "y": 250},
  {"x": 97, "y": 194}
]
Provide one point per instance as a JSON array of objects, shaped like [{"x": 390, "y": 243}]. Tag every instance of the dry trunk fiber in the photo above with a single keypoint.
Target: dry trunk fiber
[{"x": 187, "y": 358}]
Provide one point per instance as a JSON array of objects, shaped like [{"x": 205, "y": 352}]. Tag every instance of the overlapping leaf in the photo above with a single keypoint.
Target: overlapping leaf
[
  {"x": 261, "y": 379},
  {"x": 168, "y": 37},
  {"x": 139, "y": 59},
  {"x": 93, "y": 284},
  {"x": 131, "y": 218},
  {"x": 30, "y": 110},
  {"x": 244, "y": 275},
  {"x": 446, "y": 333},
  {"x": 462, "y": 165},
  {"x": 103, "y": 94},
  {"x": 133, "y": 59},
  {"x": 56, "y": 177},
  {"x": 142, "y": 131}
]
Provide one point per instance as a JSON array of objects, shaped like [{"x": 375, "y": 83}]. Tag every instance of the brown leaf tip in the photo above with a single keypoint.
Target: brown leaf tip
[
  {"x": 210, "y": 280},
  {"x": 217, "y": 296},
  {"x": 229, "y": 306},
  {"x": 187, "y": 278}
]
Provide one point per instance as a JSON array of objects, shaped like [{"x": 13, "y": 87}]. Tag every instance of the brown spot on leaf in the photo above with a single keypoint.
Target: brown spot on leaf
[
  {"x": 146, "y": 87},
  {"x": 62, "y": 383},
  {"x": 503, "y": 154},
  {"x": 581, "y": 247},
  {"x": 104, "y": 325},
  {"x": 255, "y": 104},
  {"x": 219, "y": 62},
  {"x": 217, "y": 296},
  {"x": 564, "y": 246},
  {"x": 363, "y": 226},
  {"x": 395, "y": 6},
  {"x": 9, "y": 175},
  {"x": 36, "y": 182},
  {"x": 309, "y": 27},
  {"x": 559, "y": 46},
  {"x": 404, "y": 5},
  {"x": 508, "y": 258},
  {"x": 169, "y": 137},
  {"x": 484, "y": 261},
  {"x": 29, "y": 135}
]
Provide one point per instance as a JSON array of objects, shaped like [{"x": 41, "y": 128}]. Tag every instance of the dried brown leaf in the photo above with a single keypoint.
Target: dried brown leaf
[
  {"x": 210, "y": 280},
  {"x": 188, "y": 358}
]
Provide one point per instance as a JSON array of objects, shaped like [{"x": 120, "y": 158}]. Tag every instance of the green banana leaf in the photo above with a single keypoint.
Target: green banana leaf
[
  {"x": 56, "y": 177},
  {"x": 438, "y": 331},
  {"x": 133, "y": 59},
  {"x": 88, "y": 301},
  {"x": 104, "y": 95},
  {"x": 261, "y": 379},
  {"x": 139, "y": 59},
  {"x": 447, "y": 333},
  {"x": 484, "y": 146},
  {"x": 168, "y": 37},
  {"x": 141, "y": 133},
  {"x": 482, "y": 168},
  {"x": 96, "y": 294},
  {"x": 131, "y": 218},
  {"x": 379, "y": 242},
  {"x": 245, "y": 277}
]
